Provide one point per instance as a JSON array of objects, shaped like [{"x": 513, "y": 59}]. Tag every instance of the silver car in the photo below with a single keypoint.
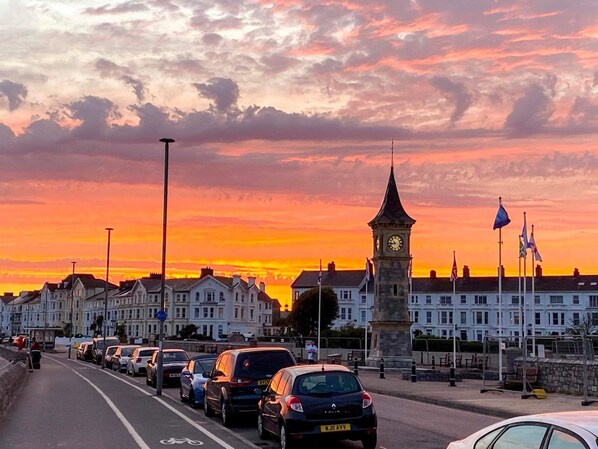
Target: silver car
[
  {"x": 138, "y": 361},
  {"x": 562, "y": 430},
  {"x": 121, "y": 357}
]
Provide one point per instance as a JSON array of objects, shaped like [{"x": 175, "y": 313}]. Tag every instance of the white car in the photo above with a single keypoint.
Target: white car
[
  {"x": 120, "y": 359},
  {"x": 138, "y": 361},
  {"x": 562, "y": 430}
]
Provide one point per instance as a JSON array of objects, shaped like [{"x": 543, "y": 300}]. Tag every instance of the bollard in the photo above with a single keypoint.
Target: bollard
[
  {"x": 413, "y": 373},
  {"x": 382, "y": 369},
  {"x": 355, "y": 367},
  {"x": 421, "y": 358},
  {"x": 433, "y": 363},
  {"x": 452, "y": 377}
]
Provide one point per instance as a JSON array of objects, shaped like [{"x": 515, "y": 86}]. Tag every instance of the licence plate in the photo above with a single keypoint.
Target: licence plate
[
  {"x": 175, "y": 375},
  {"x": 262, "y": 382},
  {"x": 335, "y": 427}
]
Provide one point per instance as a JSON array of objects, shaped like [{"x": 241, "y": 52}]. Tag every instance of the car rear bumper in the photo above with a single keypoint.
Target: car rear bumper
[{"x": 360, "y": 428}]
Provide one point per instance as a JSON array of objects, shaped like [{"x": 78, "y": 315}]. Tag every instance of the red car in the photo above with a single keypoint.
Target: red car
[{"x": 173, "y": 362}]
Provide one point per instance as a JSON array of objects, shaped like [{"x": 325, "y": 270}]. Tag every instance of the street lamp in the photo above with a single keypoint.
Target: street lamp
[
  {"x": 106, "y": 299},
  {"x": 72, "y": 301},
  {"x": 162, "y": 316}
]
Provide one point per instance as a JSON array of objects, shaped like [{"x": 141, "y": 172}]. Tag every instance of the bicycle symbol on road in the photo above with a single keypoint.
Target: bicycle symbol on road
[{"x": 173, "y": 440}]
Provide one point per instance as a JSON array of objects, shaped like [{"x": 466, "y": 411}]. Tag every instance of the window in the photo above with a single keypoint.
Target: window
[
  {"x": 205, "y": 312},
  {"x": 463, "y": 317},
  {"x": 481, "y": 317},
  {"x": 446, "y": 317},
  {"x": 480, "y": 299},
  {"x": 557, "y": 318},
  {"x": 560, "y": 439},
  {"x": 343, "y": 313},
  {"x": 515, "y": 300},
  {"x": 556, "y": 299},
  {"x": 428, "y": 299},
  {"x": 593, "y": 301},
  {"x": 196, "y": 312},
  {"x": 428, "y": 317},
  {"x": 525, "y": 436},
  {"x": 349, "y": 313},
  {"x": 576, "y": 318},
  {"x": 220, "y": 312},
  {"x": 236, "y": 312},
  {"x": 414, "y": 299},
  {"x": 445, "y": 300},
  {"x": 251, "y": 314},
  {"x": 395, "y": 289},
  {"x": 537, "y": 299},
  {"x": 537, "y": 318},
  {"x": 211, "y": 312},
  {"x": 209, "y": 295},
  {"x": 416, "y": 316},
  {"x": 575, "y": 299},
  {"x": 221, "y": 296},
  {"x": 463, "y": 299}
]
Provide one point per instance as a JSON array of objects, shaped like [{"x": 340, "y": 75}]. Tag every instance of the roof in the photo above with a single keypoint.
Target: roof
[
  {"x": 315, "y": 368},
  {"x": 343, "y": 278},
  {"x": 391, "y": 211}
]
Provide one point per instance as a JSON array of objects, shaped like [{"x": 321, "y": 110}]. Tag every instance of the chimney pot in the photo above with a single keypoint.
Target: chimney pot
[
  {"x": 465, "y": 272},
  {"x": 576, "y": 273},
  {"x": 207, "y": 271},
  {"x": 331, "y": 267},
  {"x": 538, "y": 271},
  {"x": 432, "y": 274}
]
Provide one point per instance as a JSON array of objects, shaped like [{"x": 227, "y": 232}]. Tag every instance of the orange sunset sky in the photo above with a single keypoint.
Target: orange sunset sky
[{"x": 283, "y": 114}]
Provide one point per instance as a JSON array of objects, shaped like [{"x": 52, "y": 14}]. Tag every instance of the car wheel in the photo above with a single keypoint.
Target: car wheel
[
  {"x": 206, "y": 408},
  {"x": 370, "y": 441},
  {"x": 225, "y": 414},
  {"x": 260, "y": 427},
  {"x": 192, "y": 399},
  {"x": 285, "y": 440}
]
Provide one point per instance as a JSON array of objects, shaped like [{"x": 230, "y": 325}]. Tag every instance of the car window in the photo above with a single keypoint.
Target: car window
[
  {"x": 127, "y": 351},
  {"x": 284, "y": 384},
  {"x": 486, "y": 440},
  {"x": 564, "y": 440},
  {"x": 175, "y": 357},
  {"x": 275, "y": 382},
  {"x": 261, "y": 364},
  {"x": 145, "y": 353},
  {"x": 525, "y": 436},
  {"x": 327, "y": 383},
  {"x": 203, "y": 366}
]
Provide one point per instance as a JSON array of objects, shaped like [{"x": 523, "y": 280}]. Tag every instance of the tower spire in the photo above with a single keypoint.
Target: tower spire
[{"x": 392, "y": 153}]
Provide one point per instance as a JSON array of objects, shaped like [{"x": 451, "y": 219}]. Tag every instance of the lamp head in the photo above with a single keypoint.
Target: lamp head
[{"x": 166, "y": 140}]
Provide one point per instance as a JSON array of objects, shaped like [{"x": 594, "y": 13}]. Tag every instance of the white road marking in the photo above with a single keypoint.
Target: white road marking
[
  {"x": 115, "y": 409},
  {"x": 161, "y": 401}
]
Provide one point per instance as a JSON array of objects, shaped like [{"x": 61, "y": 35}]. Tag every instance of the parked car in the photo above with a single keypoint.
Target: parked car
[
  {"x": 84, "y": 351},
  {"x": 110, "y": 350},
  {"x": 239, "y": 375},
  {"x": 193, "y": 378},
  {"x": 173, "y": 361},
  {"x": 327, "y": 402},
  {"x": 98, "y": 347},
  {"x": 138, "y": 361},
  {"x": 121, "y": 357},
  {"x": 570, "y": 430}
]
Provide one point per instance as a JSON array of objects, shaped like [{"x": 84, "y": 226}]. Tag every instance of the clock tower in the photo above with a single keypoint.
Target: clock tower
[{"x": 391, "y": 232}]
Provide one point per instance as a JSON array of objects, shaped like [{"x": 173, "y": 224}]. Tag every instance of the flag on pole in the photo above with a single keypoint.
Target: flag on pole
[
  {"x": 454, "y": 274},
  {"x": 524, "y": 235},
  {"x": 368, "y": 273},
  {"x": 534, "y": 248},
  {"x": 522, "y": 248},
  {"x": 502, "y": 218}
]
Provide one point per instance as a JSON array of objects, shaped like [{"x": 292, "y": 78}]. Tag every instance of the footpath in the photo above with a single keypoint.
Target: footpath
[{"x": 467, "y": 395}]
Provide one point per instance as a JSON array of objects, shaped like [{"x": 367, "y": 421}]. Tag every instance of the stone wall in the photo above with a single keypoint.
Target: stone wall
[
  {"x": 13, "y": 376},
  {"x": 564, "y": 375}
]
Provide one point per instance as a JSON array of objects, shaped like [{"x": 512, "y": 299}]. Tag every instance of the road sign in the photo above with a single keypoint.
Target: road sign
[{"x": 161, "y": 315}]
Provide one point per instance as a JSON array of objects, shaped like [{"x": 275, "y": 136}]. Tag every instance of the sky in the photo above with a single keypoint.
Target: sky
[{"x": 283, "y": 113}]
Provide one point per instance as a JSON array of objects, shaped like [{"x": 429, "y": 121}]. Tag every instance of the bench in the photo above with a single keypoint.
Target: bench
[
  {"x": 356, "y": 354},
  {"x": 334, "y": 359},
  {"x": 445, "y": 360},
  {"x": 514, "y": 381}
]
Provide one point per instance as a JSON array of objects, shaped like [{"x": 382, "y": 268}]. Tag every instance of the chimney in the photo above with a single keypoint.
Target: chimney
[
  {"x": 538, "y": 271},
  {"x": 262, "y": 287},
  {"x": 432, "y": 274},
  {"x": 250, "y": 281},
  {"x": 502, "y": 271},
  {"x": 575, "y": 273},
  {"x": 331, "y": 267},
  {"x": 236, "y": 279},
  {"x": 207, "y": 271},
  {"x": 465, "y": 272}
]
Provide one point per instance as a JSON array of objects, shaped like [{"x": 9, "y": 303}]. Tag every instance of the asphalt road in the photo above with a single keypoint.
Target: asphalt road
[{"x": 84, "y": 406}]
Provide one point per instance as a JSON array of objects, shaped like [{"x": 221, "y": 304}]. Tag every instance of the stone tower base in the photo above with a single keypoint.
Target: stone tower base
[{"x": 396, "y": 362}]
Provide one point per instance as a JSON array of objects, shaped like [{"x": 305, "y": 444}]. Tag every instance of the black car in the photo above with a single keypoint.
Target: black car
[
  {"x": 326, "y": 402},
  {"x": 238, "y": 378},
  {"x": 173, "y": 361}
]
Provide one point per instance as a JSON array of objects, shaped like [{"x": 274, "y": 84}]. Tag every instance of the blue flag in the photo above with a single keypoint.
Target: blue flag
[{"x": 502, "y": 218}]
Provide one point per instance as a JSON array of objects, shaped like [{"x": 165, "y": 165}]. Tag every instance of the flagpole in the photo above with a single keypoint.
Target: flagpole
[
  {"x": 319, "y": 353},
  {"x": 520, "y": 299},
  {"x": 454, "y": 276},
  {"x": 522, "y": 304},
  {"x": 367, "y": 281},
  {"x": 533, "y": 297},
  {"x": 500, "y": 299}
]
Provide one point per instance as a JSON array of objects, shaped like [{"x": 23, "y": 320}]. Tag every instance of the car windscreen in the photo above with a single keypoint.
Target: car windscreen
[
  {"x": 203, "y": 366},
  {"x": 109, "y": 342},
  {"x": 174, "y": 357},
  {"x": 258, "y": 365},
  {"x": 326, "y": 383},
  {"x": 146, "y": 353},
  {"x": 127, "y": 352}
]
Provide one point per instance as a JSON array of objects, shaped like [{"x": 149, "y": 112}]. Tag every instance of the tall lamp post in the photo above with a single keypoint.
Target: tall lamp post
[
  {"x": 162, "y": 313},
  {"x": 104, "y": 321},
  {"x": 72, "y": 301}
]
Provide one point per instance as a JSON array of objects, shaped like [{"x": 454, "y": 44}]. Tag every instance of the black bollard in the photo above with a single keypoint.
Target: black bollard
[
  {"x": 382, "y": 369},
  {"x": 433, "y": 363},
  {"x": 413, "y": 373},
  {"x": 355, "y": 367},
  {"x": 421, "y": 358},
  {"x": 452, "y": 377}
]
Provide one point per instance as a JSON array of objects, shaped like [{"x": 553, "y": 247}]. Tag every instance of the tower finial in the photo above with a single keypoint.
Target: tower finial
[{"x": 392, "y": 153}]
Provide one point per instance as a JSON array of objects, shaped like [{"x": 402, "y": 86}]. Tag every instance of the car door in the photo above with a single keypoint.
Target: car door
[
  {"x": 270, "y": 409},
  {"x": 187, "y": 378},
  {"x": 216, "y": 381}
]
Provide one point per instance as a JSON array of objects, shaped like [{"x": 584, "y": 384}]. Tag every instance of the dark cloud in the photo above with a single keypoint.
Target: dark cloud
[
  {"x": 109, "y": 69},
  {"x": 458, "y": 93},
  {"x": 125, "y": 8},
  {"x": 211, "y": 38},
  {"x": 223, "y": 91},
  {"x": 15, "y": 93},
  {"x": 531, "y": 112}
]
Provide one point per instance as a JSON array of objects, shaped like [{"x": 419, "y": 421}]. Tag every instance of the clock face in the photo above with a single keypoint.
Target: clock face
[
  {"x": 377, "y": 243},
  {"x": 395, "y": 243}
]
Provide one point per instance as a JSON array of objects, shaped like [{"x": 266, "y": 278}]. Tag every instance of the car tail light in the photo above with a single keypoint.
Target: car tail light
[
  {"x": 295, "y": 404},
  {"x": 138, "y": 360},
  {"x": 367, "y": 400},
  {"x": 240, "y": 382}
]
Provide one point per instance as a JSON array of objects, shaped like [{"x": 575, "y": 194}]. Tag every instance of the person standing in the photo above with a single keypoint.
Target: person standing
[{"x": 312, "y": 353}]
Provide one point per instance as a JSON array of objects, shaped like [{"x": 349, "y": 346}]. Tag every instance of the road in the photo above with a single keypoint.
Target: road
[{"x": 72, "y": 404}]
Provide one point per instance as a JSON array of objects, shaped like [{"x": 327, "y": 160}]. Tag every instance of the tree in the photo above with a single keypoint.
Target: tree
[
  {"x": 99, "y": 322},
  {"x": 304, "y": 316},
  {"x": 188, "y": 330}
]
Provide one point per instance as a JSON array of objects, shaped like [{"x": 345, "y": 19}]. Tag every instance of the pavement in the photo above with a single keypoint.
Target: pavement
[{"x": 468, "y": 395}]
